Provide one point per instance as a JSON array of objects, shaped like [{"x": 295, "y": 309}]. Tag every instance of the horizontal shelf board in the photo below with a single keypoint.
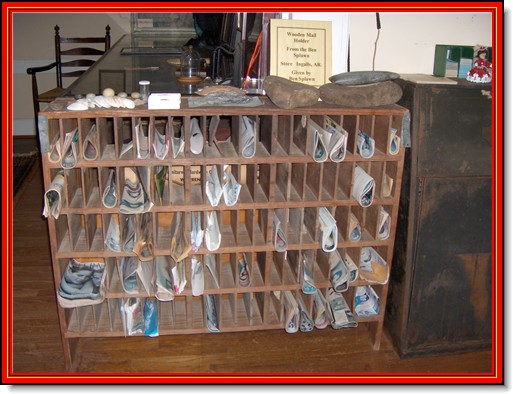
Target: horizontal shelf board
[
  {"x": 204, "y": 330},
  {"x": 259, "y": 205},
  {"x": 195, "y": 161},
  {"x": 65, "y": 252},
  {"x": 268, "y": 108}
]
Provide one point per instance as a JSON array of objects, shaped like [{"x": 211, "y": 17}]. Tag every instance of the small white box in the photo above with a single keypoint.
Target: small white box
[{"x": 164, "y": 101}]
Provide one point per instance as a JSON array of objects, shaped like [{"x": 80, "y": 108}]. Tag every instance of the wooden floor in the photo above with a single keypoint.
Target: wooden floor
[{"x": 36, "y": 345}]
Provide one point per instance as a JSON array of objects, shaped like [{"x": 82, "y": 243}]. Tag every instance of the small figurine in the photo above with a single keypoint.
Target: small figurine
[{"x": 479, "y": 73}]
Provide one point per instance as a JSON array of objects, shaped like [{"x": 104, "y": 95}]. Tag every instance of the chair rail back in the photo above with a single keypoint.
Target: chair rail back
[{"x": 62, "y": 51}]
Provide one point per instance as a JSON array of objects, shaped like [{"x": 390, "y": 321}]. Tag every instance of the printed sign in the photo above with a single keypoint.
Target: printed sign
[{"x": 301, "y": 50}]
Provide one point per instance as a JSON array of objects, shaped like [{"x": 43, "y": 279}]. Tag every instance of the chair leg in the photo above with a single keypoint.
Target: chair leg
[{"x": 35, "y": 102}]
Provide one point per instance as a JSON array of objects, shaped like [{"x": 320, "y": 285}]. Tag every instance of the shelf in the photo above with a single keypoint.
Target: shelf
[{"x": 282, "y": 179}]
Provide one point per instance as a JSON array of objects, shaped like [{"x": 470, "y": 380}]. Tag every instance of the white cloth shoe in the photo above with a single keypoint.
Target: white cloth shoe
[
  {"x": 197, "y": 277},
  {"x": 197, "y": 141},
  {"x": 212, "y": 233}
]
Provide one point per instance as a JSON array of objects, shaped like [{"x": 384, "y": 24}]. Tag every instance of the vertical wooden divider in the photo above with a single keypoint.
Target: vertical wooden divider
[
  {"x": 252, "y": 266},
  {"x": 352, "y": 125},
  {"x": 151, "y": 125},
  {"x": 342, "y": 218},
  {"x": 233, "y": 300},
  {"x": 87, "y": 184},
  {"x": 234, "y": 224},
  {"x": 371, "y": 223},
  {"x": 283, "y": 124},
  {"x": 252, "y": 180},
  {"x": 264, "y": 178},
  {"x": 189, "y": 317},
  {"x": 118, "y": 137},
  {"x": 103, "y": 137},
  {"x": 103, "y": 176},
  {"x": 299, "y": 132},
  {"x": 330, "y": 180},
  {"x": 376, "y": 171},
  {"x": 234, "y": 261},
  {"x": 202, "y": 120},
  {"x": 203, "y": 185},
  {"x": 158, "y": 230},
  {"x": 298, "y": 179},
  {"x": 372, "y": 133},
  {"x": 187, "y": 185},
  {"x": 91, "y": 228},
  {"x": 381, "y": 130},
  {"x": 236, "y": 136},
  {"x": 154, "y": 234},
  {"x": 283, "y": 182},
  {"x": 312, "y": 222},
  {"x": 187, "y": 135},
  {"x": 250, "y": 222},
  {"x": 82, "y": 133}
]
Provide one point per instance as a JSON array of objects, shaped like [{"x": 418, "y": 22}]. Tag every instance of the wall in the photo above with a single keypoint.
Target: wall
[
  {"x": 33, "y": 46},
  {"x": 407, "y": 40},
  {"x": 406, "y": 44}
]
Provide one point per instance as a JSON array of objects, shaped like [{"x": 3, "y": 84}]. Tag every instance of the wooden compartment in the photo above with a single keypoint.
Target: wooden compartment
[{"x": 281, "y": 179}]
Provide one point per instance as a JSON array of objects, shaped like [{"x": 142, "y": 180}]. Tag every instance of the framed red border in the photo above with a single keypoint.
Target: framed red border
[{"x": 497, "y": 374}]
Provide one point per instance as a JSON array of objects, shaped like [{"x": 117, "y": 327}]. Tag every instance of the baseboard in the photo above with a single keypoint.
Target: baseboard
[
  {"x": 23, "y": 127},
  {"x": 24, "y": 137}
]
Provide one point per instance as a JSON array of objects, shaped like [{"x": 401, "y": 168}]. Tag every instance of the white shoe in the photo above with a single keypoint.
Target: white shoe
[
  {"x": 355, "y": 230},
  {"x": 307, "y": 281},
  {"x": 320, "y": 314},
  {"x": 339, "y": 276},
  {"x": 306, "y": 323},
  {"x": 279, "y": 240},
  {"x": 212, "y": 233},
  {"x": 291, "y": 312},
  {"x": 231, "y": 189},
  {"x": 196, "y": 137},
  {"x": 213, "y": 187},
  {"x": 244, "y": 275},
  {"x": 197, "y": 277},
  {"x": 211, "y": 312},
  {"x": 179, "y": 279},
  {"x": 329, "y": 231},
  {"x": 248, "y": 137},
  {"x": 212, "y": 268},
  {"x": 196, "y": 231},
  {"x": 110, "y": 197}
]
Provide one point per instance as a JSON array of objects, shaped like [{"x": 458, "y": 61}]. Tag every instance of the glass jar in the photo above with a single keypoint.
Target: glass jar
[
  {"x": 190, "y": 65},
  {"x": 144, "y": 90}
]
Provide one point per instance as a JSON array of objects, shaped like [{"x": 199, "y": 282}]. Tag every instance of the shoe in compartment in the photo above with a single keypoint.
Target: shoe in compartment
[
  {"x": 197, "y": 140},
  {"x": 197, "y": 276},
  {"x": 212, "y": 233},
  {"x": 211, "y": 313}
]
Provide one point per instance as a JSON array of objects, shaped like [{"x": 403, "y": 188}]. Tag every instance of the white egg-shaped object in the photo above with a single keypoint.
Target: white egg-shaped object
[
  {"x": 127, "y": 103},
  {"x": 108, "y": 92},
  {"x": 77, "y": 106}
]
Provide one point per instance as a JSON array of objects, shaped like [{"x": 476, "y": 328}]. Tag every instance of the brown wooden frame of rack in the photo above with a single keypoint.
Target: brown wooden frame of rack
[{"x": 288, "y": 180}]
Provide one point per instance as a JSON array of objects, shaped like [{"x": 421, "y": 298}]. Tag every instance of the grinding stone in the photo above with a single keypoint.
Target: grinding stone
[
  {"x": 361, "y": 96},
  {"x": 288, "y": 94},
  {"x": 363, "y": 77}
]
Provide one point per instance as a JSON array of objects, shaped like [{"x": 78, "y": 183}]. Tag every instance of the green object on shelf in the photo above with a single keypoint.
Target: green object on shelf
[{"x": 452, "y": 61}]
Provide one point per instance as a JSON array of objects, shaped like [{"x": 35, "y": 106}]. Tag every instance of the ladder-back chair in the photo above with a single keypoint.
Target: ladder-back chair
[{"x": 72, "y": 59}]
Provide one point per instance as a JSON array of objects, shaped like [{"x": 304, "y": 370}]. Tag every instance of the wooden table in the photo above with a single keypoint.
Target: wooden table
[{"x": 123, "y": 72}]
